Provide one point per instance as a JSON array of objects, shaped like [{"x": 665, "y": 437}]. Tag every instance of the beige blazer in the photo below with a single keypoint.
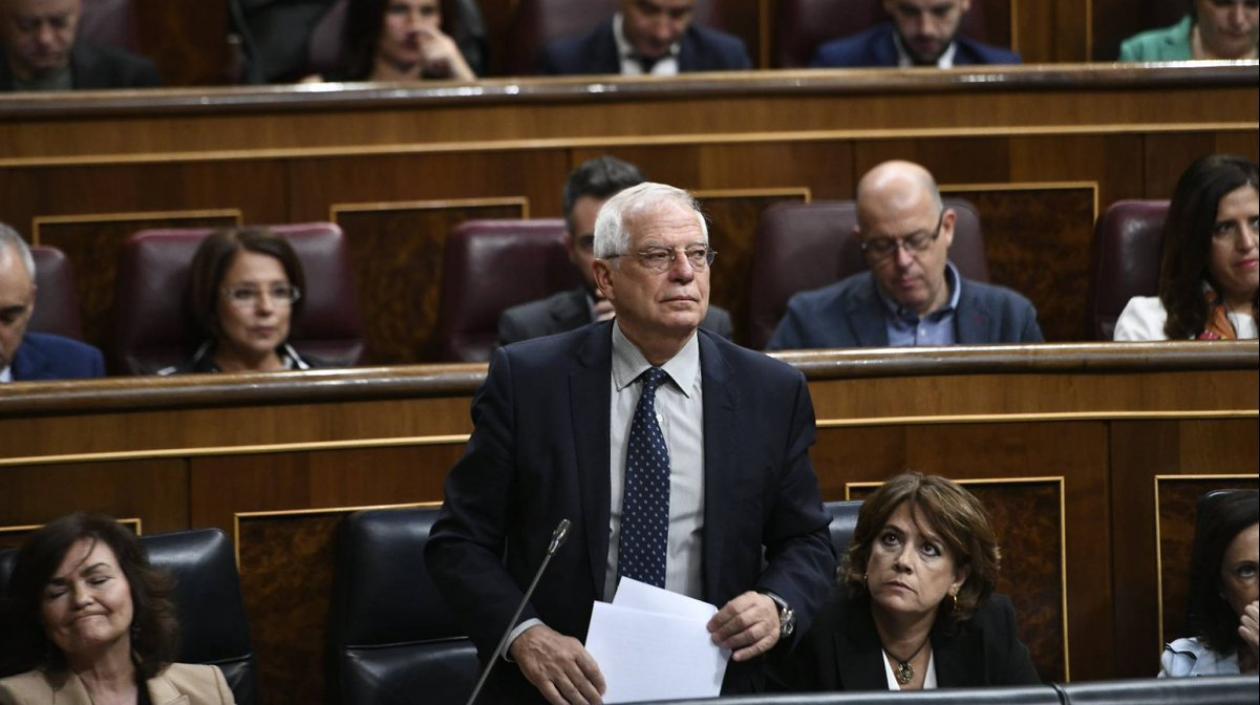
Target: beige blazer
[{"x": 179, "y": 684}]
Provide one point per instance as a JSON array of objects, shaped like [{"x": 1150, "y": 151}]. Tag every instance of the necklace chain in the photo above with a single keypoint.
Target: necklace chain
[{"x": 905, "y": 672}]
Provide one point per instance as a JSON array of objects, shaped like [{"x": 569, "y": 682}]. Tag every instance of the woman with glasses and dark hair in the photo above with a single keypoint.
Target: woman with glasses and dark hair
[
  {"x": 93, "y": 622},
  {"x": 915, "y": 607},
  {"x": 1210, "y": 273},
  {"x": 404, "y": 40},
  {"x": 1211, "y": 29},
  {"x": 1223, "y": 610},
  {"x": 245, "y": 290}
]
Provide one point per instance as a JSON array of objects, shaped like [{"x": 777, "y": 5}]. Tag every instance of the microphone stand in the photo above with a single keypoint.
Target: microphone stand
[{"x": 557, "y": 539}]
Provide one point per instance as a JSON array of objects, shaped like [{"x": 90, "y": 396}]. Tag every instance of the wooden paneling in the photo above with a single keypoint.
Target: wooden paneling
[
  {"x": 187, "y": 39},
  {"x": 1027, "y": 517},
  {"x": 1177, "y": 500},
  {"x": 153, "y": 491},
  {"x": 1020, "y": 251},
  {"x": 397, "y": 252}
]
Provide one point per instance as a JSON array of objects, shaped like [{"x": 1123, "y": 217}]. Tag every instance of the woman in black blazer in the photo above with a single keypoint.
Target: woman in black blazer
[{"x": 915, "y": 607}]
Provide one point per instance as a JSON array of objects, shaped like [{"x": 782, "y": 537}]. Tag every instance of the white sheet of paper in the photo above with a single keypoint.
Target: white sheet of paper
[
  {"x": 653, "y": 656},
  {"x": 649, "y": 598}
]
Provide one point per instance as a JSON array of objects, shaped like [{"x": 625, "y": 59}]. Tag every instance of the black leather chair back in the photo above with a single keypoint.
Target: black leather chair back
[
  {"x": 213, "y": 625},
  {"x": 844, "y": 516},
  {"x": 393, "y": 637},
  {"x": 1022, "y": 695},
  {"x": 1216, "y": 690}
]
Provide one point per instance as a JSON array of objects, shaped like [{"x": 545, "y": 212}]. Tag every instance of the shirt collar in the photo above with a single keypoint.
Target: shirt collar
[
  {"x": 628, "y": 362},
  {"x": 904, "y": 60},
  {"x": 952, "y": 280},
  {"x": 625, "y": 49},
  {"x": 6, "y": 375}
]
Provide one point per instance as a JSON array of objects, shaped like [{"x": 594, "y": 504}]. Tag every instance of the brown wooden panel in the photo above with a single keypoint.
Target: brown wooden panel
[
  {"x": 1140, "y": 450},
  {"x": 1177, "y": 501},
  {"x": 153, "y": 491},
  {"x": 1111, "y": 161},
  {"x": 1027, "y": 517},
  {"x": 1076, "y": 451},
  {"x": 1027, "y": 226},
  {"x": 968, "y": 160},
  {"x": 12, "y": 537},
  {"x": 397, "y": 253},
  {"x": 1116, "y": 20},
  {"x": 733, "y": 218},
  {"x": 187, "y": 39},
  {"x": 92, "y": 242}
]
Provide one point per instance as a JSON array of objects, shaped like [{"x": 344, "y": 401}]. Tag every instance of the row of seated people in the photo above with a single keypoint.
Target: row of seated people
[
  {"x": 411, "y": 40},
  {"x": 89, "y": 610},
  {"x": 924, "y": 282}
]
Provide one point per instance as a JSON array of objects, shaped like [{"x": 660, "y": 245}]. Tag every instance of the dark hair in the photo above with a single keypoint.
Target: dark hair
[
  {"x": 953, "y": 513},
  {"x": 155, "y": 629},
  {"x": 365, "y": 20},
  {"x": 1221, "y": 517},
  {"x": 600, "y": 178},
  {"x": 215, "y": 255},
  {"x": 1188, "y": 239}
]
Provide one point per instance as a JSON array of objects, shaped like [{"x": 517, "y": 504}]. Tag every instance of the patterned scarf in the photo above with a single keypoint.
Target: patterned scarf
[{"x": 1218, "y": 326}]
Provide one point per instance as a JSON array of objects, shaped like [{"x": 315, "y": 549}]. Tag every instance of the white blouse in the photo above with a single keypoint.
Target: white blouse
[{"x": 1143, "y": 318}]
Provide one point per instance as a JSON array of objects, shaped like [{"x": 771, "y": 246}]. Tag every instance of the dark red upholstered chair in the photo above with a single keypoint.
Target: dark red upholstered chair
[
  {"x": 536, "y": 22},
  {"x": 1128, "y": 243},
  {"x": 56, "y": 299},
  {"x": 803, "y": 246},
  {"x": 110, "y": 23},
  {"x": 154, "y": 330},
  {"x": 802, "y": 25},
  {"x": 490, "y": 266}
]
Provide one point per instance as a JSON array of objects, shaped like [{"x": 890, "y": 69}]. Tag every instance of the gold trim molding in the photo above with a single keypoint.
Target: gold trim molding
[
  {"x": 317, "y": 511},
  {"x": 401, "y": 206},
  {"x": 41, "y": 220},
  {"x": 136, "y": 524},
  {"x": 1028, "y": 186}
]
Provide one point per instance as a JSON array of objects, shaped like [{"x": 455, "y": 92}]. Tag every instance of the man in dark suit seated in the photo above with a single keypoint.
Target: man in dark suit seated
[
  {"x": 41, "y": 52},
  {"x": 912, "y": 295},
  {"x": 588, "y": 187},
  {"x": 647, "y": 37},
  {"x": 725, "y": 508},
  {"x": 921, "y": 33},
  {"x": 33, "y": 356}
]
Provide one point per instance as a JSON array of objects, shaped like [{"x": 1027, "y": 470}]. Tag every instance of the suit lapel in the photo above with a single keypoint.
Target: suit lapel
[
  {"x": 885, "y": 49},
  {"x": 163, "y": 692},
  {"x": 720, "y": 429},
  {"x": 953, "y": 667},
  {"x": 570, "y": 311},
  {"x": 28, "y": 363},
  {"x": 604, "y": 52},
  {"x": 589, "y": 402},
  {"x": 971, "y": 318},
  {"x": 859, "y": 656},
  {"x": 867, "y": 316}
]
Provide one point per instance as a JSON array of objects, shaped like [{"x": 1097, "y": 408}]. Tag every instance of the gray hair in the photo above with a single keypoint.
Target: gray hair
[
  {"x": 611, "y": 236},
  {"x": 12, "y": 238}
]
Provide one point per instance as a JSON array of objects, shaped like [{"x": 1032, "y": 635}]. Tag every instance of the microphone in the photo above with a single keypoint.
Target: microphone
[{"x": 557, "y": 540}]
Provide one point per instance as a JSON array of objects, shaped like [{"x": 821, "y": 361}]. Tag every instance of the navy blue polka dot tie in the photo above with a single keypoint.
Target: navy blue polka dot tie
[{"x": 645, "y": 500}]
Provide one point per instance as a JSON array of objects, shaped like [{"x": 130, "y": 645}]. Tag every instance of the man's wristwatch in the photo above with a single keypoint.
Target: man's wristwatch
[{"x": 787, "y": 617}]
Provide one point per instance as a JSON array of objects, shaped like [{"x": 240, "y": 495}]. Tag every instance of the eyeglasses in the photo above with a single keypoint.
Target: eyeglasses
[
  {"x": 660, "y": 259},
  {"x": 880, "y": 248},
  {"x": 250, "y": 296}
]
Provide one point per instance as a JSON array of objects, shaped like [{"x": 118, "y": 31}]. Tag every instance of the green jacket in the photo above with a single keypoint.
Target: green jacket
[{"x": 1167, "y": 44}]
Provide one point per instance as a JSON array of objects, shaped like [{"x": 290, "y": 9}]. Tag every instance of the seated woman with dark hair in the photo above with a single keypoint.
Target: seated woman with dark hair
[
  {"x": 1223, "y": 611},
  {"x": 92, "y": 620},
  {"x": 915, "y": 607},
  {"x": 245, "y": 291},
  {"x": 398, "y": 40},
  {"x": 1212, "y": 29},
  {"x": 1210, "y": 273}
]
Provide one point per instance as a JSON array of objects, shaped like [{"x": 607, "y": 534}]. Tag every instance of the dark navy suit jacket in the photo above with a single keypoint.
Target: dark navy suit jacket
[
  {"x": 567, "y": 310},
  {"x": 876, "y": 47},
  {"x": 48, "y": 357},
  {"x": 850, "y": 314},
  {"x": 95, "y": 67},
  {"x": 540, "y": 453},
  {"x": 701, "y": 49}
]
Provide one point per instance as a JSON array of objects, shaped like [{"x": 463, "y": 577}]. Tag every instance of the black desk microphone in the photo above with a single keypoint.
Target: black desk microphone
[{"x": 557, "y": 539}]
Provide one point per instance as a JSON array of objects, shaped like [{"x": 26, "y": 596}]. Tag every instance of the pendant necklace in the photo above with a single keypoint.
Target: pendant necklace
[{"x": 904, "y": 673}]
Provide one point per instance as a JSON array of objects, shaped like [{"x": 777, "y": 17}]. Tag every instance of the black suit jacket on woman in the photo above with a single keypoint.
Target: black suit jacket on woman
[{"x": 843, "y": 652}]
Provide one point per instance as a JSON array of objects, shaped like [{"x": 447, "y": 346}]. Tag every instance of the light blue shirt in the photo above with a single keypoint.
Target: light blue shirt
[
  {"x": 907, "y": 329},
  {"x": 1188, "y": 657}
]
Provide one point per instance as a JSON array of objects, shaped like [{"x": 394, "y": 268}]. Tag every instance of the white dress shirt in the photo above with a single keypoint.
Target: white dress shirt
[{"x": 665, "y": 66}]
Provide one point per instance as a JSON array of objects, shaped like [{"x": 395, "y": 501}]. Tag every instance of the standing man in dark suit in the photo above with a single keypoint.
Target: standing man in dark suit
[
  {"x": 725, "y": 508},
  {"x": 912, "y": 295},
  {"x": 33, "y": 356},
  {"x": 647, "y": 37},
  {"x": 589, "y": 185},
  {"x": 42, "y": 52},
  {"x": 922, "y": 33}
]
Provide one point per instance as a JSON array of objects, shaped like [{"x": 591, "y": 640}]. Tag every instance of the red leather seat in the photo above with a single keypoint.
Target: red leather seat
[
  {"x": 490, "y": 266},
  {"x": 56, "y": 298},
  {"x": 537, "y": 22},
  {"x": 1128, "y": 244},
  {"x": 153, "y": 328},
  {"x": 802, "y": 25},
  {"x": 803, "y": 246}
]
